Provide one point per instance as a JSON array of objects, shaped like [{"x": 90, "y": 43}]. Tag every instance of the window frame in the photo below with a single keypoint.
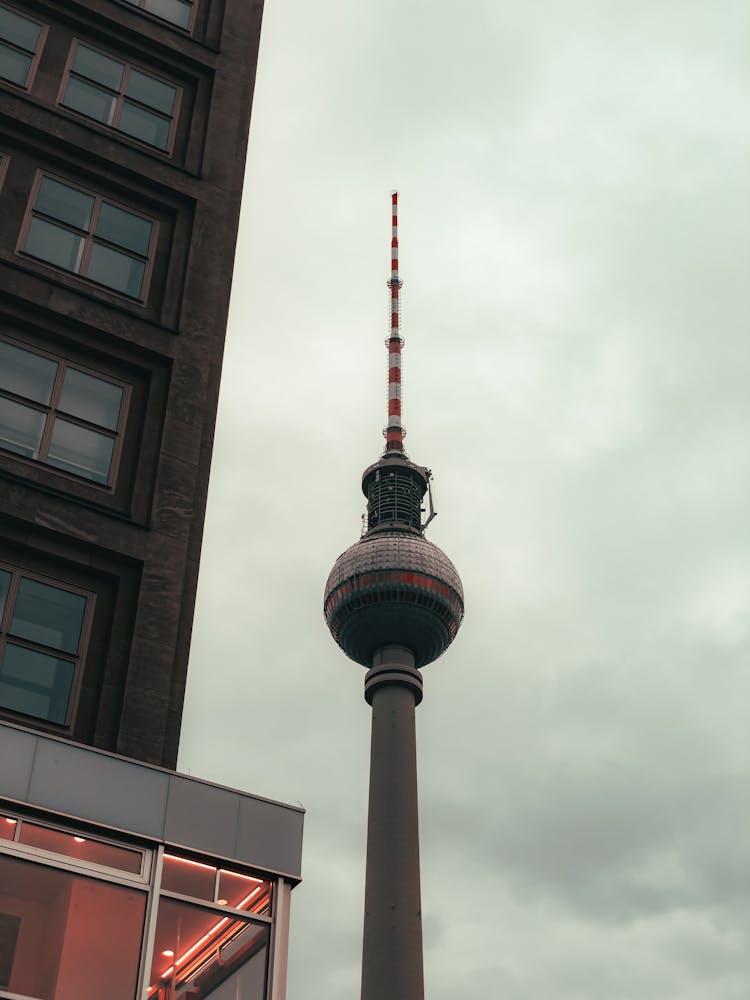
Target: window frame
[
  {"x": 89, "y": 237},
  {"x": 52, "y": 412},
  {"x": 67, "y": 862},
  {"x": 18, "y": 573},
  {"x": 26, "y": 87},
  {"x": 140, "y": 6},
  {"x": 4, "y": 163},
  {"x": 120, "y": 98}
]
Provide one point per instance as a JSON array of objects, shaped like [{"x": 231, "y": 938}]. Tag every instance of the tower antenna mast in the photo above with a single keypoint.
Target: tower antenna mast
[{"x": 394, "y": 432}]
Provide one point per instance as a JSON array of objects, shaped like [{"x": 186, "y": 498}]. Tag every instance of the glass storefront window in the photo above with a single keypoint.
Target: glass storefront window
[
  {"x": 68, "y": 935},
  {"x": 81, "y": 848},
  {"x": 199, "y": 953},
  {"x": 8, "y": 827},
  {"x": 225, "y": 887}
]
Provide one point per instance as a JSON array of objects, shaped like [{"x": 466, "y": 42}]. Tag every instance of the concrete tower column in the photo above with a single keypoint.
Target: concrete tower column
[{"x": 392, "y": 966}]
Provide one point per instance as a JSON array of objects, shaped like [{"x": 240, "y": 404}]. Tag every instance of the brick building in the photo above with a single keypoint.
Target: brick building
[{"x": 123, "y": 134}]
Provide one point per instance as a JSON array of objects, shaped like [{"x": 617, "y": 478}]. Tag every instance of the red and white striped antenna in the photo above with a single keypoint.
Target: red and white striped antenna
[{"x": 394, "y": 432}]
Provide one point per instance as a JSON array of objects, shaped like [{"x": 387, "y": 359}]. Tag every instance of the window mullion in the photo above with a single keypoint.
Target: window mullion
[
  {"x": 10, "y": 600},
  {"x": 88, "y": 243},
  {"x": 121, "y": 96},
  {"x": 50, "y": 421}
]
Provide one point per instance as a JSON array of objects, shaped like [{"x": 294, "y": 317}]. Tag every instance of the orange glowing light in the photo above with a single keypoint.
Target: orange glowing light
[
  {"x": 222, "y": 902},
  {"x": 168, "y": 953},
  {"x": 187, "y": 861},
  {"x": 248, "y": 878}
]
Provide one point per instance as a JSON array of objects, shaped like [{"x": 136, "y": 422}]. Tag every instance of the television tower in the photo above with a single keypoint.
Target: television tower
[{"x": 393, "y": 602}]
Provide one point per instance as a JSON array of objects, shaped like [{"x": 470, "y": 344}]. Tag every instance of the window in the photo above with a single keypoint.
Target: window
[
  {"x": 67, "y": 934},
  {"x": 85, "y": 234},
  {"x": 56, "y": 413},
  {"x": 177, "y": 12},
  {"x": 196, "y": 950},
  {"x": 80, "y": 847},
  {"x": 199, "y": 946},
  {"x": 20, "y": 46},
  {"x": 42, "y": 637},
  {"x": 121, "y": 96}
]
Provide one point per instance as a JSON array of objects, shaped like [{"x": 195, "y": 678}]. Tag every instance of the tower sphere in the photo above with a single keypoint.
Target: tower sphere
[{"x": 393, "y": 588}]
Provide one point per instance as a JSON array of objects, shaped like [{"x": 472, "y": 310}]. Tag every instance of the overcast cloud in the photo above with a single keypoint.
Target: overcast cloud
[{"x": 575, "y": 248}]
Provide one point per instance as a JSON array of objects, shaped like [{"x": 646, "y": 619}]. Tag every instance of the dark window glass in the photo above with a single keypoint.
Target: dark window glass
[
  {"x": 91, "y": 399},
  {"x": 200, "y": 953},
  {"x": 48, "y": 615},
  {"x": 14, "y": 65},
  {"x": 19, "y": 30},
  {"x": 98, "y": 67},
  {"x": 124, "y": 229},
  {"x": 71, "y": 244},
  {"x": 84, "y": 444},
  {"x": 82, "y": 848},
  {"x": 121, "y": 96},
  {"x": 78, "y": 938},
  {"x": 65, "y": 203},
  {"x": 39, "y": 647},
  {"x": 116, "y": 270},
  {"x": 151, "y": 92},
  {"x": 80, "y": 451},
  {"x": 19, "y": 38},
  {"x": 175, "y": 11},
  {"x": 26, "y": 374},
  {"x": 145, "y": 125},
  {"x": 35, "y": 683},
  {"x": 57, "y": 246},
  {"x": 90, "y": 100},
  {"x": 21, "y": 428}
]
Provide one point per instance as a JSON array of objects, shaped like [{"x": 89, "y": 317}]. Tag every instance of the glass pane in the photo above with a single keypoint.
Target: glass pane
[
  {"x": 116, "y": 270},
  {"x": 4, "y": 585},
  {"x": 55, "y": 245},
  {"x": 124, "y": 229},
  {"x": 96, "y": 66},
  {"x": 80, "y": 451},
  {"x": 171, "y": 10},
  {"x": 26, "y": 374},
  {"x": 19, "y": 30},
  {"x": 91, "y": 398},
  {"x": 197, "y": 950},
  {"x": 14, "y": 66},
  {"x": 8, "y": 826},
  {"x": 144, "y": 125},
  {"x": 82, "y": 848},
  {"x": 243, "y": 892},
  {"x": 35, "y": 684},
  {"x": 80, "y": 939},
  {"x": 89, "y": 100},
  {"x": 191, "y": 878},
  {"x": 48, "y": 615},
  {"x": 20, "y": 428},
  {"x": 64, "y": 203},
  {"x": 154, "y": 93}
]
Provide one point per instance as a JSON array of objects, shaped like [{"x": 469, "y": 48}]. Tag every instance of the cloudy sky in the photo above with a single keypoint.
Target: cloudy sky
[{"x": 575, "y": 248}]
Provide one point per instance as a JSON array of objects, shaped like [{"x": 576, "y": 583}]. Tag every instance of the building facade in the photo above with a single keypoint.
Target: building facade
[{"x": 123, "y": 135}]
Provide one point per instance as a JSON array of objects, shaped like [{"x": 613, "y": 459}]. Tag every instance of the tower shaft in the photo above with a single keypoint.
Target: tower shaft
[{"x": 392, "y": 940}]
